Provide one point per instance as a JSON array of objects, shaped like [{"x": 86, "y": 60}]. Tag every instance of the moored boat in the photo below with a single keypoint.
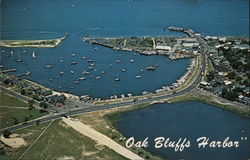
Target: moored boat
[
  {"x": 138, "y": 76},
  {"x": 33, "y": 55}
]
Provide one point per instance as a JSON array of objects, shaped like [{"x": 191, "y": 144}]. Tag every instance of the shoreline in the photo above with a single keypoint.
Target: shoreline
[{"x": 49, "y": 43}]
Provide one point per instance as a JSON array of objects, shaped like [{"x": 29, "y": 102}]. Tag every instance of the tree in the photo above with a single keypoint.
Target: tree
[
  {"x": 2, "y": 151},
  {"x": 6, "y": 81},
  {"x": 23, "y": 92},
  {"x": 37, "y": 122},
  {"x": 232, "y": 75},
  {"x": 6, "y": 133},
  {"x": 15, "y": 120},
  {"x": 231, "y": 95},
  {"x": 43, "y": 105},
  {"x": 210, "y": 76},
  {"x": 31, "y": 103},
  {"x": 26, "y": 118}
]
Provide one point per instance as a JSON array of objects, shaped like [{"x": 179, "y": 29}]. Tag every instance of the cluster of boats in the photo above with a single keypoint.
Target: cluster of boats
[{"x": 90, "y": 67}]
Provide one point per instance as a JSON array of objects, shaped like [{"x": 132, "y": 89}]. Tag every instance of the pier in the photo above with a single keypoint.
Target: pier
[{"x": 189, "y": 32}]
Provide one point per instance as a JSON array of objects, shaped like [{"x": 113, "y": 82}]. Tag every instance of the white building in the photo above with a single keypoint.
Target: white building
[{"x": 163, "y": 47}]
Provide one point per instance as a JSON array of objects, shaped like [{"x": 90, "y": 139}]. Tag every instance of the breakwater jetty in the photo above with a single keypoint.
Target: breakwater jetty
[{"x": 189, "y": 32}]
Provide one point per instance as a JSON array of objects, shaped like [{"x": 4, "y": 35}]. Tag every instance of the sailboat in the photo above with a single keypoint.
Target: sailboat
[
  {"x": 19, "y": 58},
  {"x": 33, "y": 55},
  {"x": 117, "y": 78}
]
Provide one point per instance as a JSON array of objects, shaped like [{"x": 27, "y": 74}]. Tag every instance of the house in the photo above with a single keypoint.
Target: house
[
  {"x": 204, "y": 83},
  {"x": 190, "y": 42},
  {"x": 227, "y": 82},
  {"x": 222, "y": 39},
  {"x": 46, "y": 92},
  {"x": 54, "y": 99},
  {"x": 217, "y": 90},
  {"x": 212, "y": 51},
  {"x": 162, "y": 46}
]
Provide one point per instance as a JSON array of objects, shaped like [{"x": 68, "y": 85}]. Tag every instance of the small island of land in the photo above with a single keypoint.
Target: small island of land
[{"x": 49, "y": 43}]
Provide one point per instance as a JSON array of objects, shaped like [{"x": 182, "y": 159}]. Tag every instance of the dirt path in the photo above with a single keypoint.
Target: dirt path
[
  {"x": 16, "y": 107},
  {"x": 101, "y": 139},
  {"x": 20, "y": 157}
]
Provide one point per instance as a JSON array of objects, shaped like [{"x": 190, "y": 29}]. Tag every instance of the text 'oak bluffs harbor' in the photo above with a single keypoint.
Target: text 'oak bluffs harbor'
[{"x": 102, "y": 80}]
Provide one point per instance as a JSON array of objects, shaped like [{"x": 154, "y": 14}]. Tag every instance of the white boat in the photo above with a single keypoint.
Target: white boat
[
  {"x": 138, "y": 76},
  {"x": 98, "y": 77},
  {"x": 131, "y": 61},
  {"x": 33, "y": 55},
  {"x": 86, "y": 73},
  {"x": 76, "y": 82},
  {"x": 117, "y": 77},
  {"x": 62, "y": 73},
  {"x": 48, "y": 66},
  {"x": 117, "y": 61},
  {"x": 27, "y": 73},
  {"x": 19, "y": 58},
  {"x": 90, "y": 68},
  {"x": 82, "y": 78}
]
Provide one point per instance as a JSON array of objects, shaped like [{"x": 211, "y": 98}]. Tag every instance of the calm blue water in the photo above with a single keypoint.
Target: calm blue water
[
  {"x": 105, "y": 18},
  {"x": 188, "y": 120}
]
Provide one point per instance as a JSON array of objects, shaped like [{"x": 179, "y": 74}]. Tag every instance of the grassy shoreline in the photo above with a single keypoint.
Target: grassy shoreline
[
  {"x": 49, "y": 43},
  {"x": 243, "y": 112}
]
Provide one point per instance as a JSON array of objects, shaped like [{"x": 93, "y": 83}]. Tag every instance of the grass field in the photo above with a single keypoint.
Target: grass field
[
  {"x": 11, "y": 114},
  {"x": 8, "y": 116},
  {"x": 7, "y": 100},
  {"x": 60, "y": 141}
]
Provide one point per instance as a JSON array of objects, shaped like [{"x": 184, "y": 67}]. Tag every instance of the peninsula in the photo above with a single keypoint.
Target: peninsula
[{"x": 49, "y": 43}]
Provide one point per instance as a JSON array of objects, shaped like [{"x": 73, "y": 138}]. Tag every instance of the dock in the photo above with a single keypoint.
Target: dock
[{"x": 189, "y": 32}]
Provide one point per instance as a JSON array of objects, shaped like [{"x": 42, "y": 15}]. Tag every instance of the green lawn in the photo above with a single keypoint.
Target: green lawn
[
  {"x": 60, "y": 141},
  {"x": 7, "y": 100},
  {"x": 8, "y": 116}
]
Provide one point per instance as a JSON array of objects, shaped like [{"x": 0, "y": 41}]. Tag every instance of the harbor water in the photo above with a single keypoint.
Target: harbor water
[{"x": 43, "y": 19}]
